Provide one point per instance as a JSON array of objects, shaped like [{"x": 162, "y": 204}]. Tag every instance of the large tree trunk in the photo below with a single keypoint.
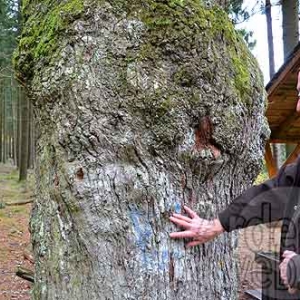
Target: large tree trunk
[{"x": 142, "y": 106}]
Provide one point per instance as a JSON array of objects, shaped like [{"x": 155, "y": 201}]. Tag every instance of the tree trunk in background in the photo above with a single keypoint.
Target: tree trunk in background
[
  {"x": 15, "y": 122},
  {"x": 290, "y": 31},
  {"x": 29, "y": 135},
  {"x": 144, "y": 106},
  {"x": 278, "y": 150},
  {"x": 1, "y": 121},
  {"x": 4, "y": 133},
  {"x": 290, "y": 25},
  {"x": 270, "y": 38},
  {"x": 33, "y": 129},
  {"x": 24, "y": 103},
  {"x": 10, "y": 128},
  {"x": 18, "y": 108}
]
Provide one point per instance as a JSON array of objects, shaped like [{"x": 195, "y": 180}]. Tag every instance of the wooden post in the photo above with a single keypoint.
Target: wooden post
[
  {"x": 271, "y": 165},
  {"x": 293, "y": 155}
]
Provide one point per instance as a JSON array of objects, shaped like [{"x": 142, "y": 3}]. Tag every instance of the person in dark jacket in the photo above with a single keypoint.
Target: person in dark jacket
[{"x": 274, "y": 200}]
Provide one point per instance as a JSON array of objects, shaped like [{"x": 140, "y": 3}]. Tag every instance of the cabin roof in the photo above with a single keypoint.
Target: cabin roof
[{"x": 283, "y": 119}]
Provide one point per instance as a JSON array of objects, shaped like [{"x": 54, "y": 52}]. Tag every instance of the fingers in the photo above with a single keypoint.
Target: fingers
[
  {"x": 283, "y": 274},
  {"x": 281, "y": 268},
  {"x": 181, "y": 217},
  {"x": 181, "y": 223},
  {"x": 283, "y": 265},
  {"x": 191, "y": 213},
  {"x": 284, "y": 280},
  {"x": 194, "y": 243},
  {"x": 292, "y": 290},
  {"x": 182, "y": 234},
  {"x": 287, "y": 253}
]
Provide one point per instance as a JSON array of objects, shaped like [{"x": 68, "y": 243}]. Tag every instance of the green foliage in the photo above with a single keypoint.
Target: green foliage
[
  {"x": 239, "y": 15},
  {"x": 248, "y": 37},
  {"x": 9, "y": 24},
  {"x": 8, "y": 31},
  {"x": 262, "y": 177}
]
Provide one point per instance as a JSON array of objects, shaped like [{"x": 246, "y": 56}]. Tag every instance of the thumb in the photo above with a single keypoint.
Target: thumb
[
  {"x": 287, "y": 253},
  {"x": 292, "y": 290}
]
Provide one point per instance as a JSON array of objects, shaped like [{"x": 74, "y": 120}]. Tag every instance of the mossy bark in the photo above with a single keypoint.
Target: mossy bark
[{"x": 142, "y": 106}]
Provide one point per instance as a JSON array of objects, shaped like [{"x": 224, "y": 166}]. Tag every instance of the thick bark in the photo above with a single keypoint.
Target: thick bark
[{"x": 142, "y": 107}]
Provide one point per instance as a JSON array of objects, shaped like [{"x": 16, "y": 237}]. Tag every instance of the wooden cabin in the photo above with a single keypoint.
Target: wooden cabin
[{"x": 283, "y": 119}]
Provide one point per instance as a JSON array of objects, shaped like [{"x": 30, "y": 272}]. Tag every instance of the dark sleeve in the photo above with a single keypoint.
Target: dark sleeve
[
  {"x": 262, "y": 203},
  {"x": 293, "y": 272}
]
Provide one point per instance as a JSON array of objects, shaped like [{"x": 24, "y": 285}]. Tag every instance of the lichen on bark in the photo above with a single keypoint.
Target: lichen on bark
[{"x": 142, "y": 106}]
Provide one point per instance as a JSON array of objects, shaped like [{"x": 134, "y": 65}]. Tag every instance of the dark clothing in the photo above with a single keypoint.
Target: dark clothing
[
  {"x": 293, "y": 272},
  {"x": 274, "y": 200}
]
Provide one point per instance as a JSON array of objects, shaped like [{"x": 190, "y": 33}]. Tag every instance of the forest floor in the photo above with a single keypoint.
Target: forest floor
[
  {"x": 14, "y": 235},
  {"x": 15, "y": 241}
]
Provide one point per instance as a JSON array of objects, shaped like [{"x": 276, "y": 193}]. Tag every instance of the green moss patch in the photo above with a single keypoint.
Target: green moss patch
[
  {"x": 42, "y": 30},
  {"x": 183, "y": 23},
  {"x": 179, "y": 23}
]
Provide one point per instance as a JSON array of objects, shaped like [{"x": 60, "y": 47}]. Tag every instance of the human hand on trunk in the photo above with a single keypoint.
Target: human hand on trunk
[
  {"x": 287, "y": 255},
  {"x": 198, "y": 229}
]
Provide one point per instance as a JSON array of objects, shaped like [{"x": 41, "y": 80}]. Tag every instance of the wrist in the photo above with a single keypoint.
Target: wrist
[{"x": 218, "y": 228}]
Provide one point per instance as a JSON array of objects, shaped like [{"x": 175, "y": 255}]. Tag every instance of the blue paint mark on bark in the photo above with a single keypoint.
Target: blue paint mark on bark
[
  {"x": 177, "y": 207},
  {"x": 150, "y": 258},
  {"x": 143, "y": 233},
  {"x": 164, "y": 260}
]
